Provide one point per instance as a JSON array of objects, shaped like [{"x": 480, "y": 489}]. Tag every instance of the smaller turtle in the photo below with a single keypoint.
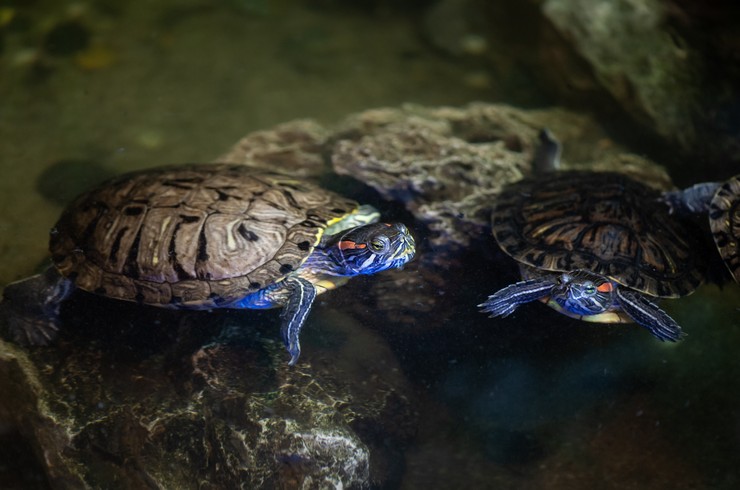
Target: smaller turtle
[
  {"x": 206, "y": 236},
  {"x": 596, "y": 246},
  {"x": 720, "y": 201}
]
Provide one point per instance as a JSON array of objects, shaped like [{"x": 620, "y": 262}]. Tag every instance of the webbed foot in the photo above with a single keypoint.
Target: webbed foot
[
  {"x": 693, "y": 200},
  {"x": 647, "y": 314},
  {"x": 505, "y": 301},
  {"x": 30, "y": 307}
]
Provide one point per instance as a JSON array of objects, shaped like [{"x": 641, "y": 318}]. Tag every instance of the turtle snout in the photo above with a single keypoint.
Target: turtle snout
[{"x": 409, "y": 244}]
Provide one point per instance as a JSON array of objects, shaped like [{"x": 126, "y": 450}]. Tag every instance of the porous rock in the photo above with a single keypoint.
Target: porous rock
[
  {"x": 294, "y": 147},
  {"x": 637, "y": 58},
  {"x": 447, "y": 165},
  {"x": 151, "y": 399}
]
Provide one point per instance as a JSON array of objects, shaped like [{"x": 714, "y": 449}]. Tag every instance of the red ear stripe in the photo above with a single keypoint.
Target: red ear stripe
[
  {"x": 345, "y": 244},
  {"x": 605, "y": 288}
]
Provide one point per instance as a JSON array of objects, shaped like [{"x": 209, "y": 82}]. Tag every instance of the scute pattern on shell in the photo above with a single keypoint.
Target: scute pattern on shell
[
  {"x": 602, "y": 222},
  {"x": 724, "y": 220},
  {"x": 191, "y": 236}
]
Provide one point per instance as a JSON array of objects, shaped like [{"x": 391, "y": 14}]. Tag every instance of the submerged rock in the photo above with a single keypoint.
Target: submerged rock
[
  {"x": 136, "y": 397},
  {"x": 670, "y": 66},
  {"x": 637, "y": 58},
  {"x": 294, "y": 147},
  {"x": 447, "y": 165}
]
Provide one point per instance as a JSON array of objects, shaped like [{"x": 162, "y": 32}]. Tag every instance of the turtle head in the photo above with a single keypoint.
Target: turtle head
[
  {"x": 584, "y": 293},
  {"x": 371, "y": 248}
]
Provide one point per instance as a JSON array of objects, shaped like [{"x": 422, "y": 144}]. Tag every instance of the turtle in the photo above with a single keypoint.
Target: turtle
[
  {"x": 204, "y": 236},
  {"x": 596, "y": 246},
  {"x": 720, "y": 202}
]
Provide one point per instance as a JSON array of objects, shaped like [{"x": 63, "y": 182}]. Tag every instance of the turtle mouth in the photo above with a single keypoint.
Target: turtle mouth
[
  {"x": 563, "y": 287},
  {"x": 408, "y": 250},
  {"x": 406, "y": 253}
]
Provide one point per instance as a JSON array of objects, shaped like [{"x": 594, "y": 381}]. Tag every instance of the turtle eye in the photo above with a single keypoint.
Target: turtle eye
[
  {"x": 379, "y": 244},
  {"x": 589, "y": 289}
]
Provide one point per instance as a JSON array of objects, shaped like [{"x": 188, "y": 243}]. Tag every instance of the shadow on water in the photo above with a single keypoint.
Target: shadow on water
[{"x": 130, "y": 334}]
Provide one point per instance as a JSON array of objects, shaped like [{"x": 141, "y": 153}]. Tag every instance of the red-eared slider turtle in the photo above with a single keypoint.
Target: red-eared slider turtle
[
  {"x": 206, "y": 236},
  {"x": 720, "y": 201},
  {"x": 596, "y": 246}
]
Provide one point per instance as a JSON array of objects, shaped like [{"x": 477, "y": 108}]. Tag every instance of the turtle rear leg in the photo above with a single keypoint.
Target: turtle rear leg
[
  {"x": 647, "y": 314},
  {"x": 695, "y": 199},
  {"x": 504, "y": 301},
  {"x": 30, "y": 307}
]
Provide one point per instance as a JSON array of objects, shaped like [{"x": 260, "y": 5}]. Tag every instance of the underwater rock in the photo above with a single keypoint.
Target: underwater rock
[
  {"x": 430, "y": 166},
  {"x": 637, "y": 58},
  {"x": 294, "y": 147},
  {"x": 136, "y": 397},
  {"x": 670, "y": 65},
  {"x": 447, "y": 165}
]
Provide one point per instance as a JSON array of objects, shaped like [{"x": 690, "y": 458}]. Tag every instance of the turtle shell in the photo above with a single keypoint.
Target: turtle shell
[
  {"x": 724, "y": 220},
  {"x": 602, "y": 222},
  {"x": 195, "y": 236}
]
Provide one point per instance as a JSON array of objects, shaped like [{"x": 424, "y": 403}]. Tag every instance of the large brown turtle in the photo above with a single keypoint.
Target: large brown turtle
[{"x": 206, "y": 236}]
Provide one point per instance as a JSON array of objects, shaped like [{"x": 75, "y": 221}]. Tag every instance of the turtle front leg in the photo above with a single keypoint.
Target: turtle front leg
[
  {"x": 505, "y": 301},
  {"x": 30, "y": 307},
  {"x": 649, "y": 315},
  {"x": 301, "y": 294}
]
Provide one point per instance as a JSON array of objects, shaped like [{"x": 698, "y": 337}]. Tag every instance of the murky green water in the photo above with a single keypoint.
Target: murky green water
[{"x": 535, "y": 401}]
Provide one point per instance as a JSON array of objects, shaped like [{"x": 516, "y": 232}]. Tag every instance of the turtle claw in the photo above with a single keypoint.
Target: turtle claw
[
  {"x": 295, "y": 352},
  {"x": 290, "y": 333},
  {"x": 498, "y": 305}
]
